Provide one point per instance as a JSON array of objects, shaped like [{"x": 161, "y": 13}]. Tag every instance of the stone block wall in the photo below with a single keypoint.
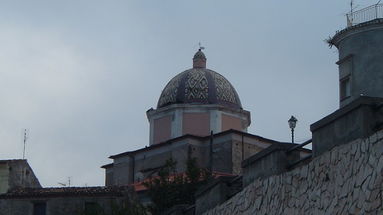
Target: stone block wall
[{"x": 346, "y": 180}]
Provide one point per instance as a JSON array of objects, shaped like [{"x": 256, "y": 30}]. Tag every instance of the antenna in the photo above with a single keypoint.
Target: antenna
[
  {"x": 65, "y": 184},
  {"x": 25, "y": 142},
  {"x": 61, "y": 184},
  {"x": 350, "y": 16}
]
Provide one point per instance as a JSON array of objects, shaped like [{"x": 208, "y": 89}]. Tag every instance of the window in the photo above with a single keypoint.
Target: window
[
  {"x": 345, "y": 88},
  {"x": 39, "y": 208},
  {"x": 345, "y": 74}
]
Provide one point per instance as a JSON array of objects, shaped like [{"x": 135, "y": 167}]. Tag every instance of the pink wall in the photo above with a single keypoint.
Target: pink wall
[
  {"x": 196, "y": 123},
  {"x": 162, "y": 129},
  {"x": 231, "y": 122}
]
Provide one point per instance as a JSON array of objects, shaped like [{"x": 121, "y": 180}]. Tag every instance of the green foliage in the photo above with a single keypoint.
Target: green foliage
[
  {"x": 329, "y": 42},
  {"x": 169, "y": 188},
  {"x": 165, "y": 191}
]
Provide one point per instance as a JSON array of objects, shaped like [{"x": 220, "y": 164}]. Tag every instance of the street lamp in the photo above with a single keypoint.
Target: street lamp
[{"x": 292, "y": 123}]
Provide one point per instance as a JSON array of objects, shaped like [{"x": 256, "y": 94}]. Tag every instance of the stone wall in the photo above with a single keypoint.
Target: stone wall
[{"x": 346, "y": 180}]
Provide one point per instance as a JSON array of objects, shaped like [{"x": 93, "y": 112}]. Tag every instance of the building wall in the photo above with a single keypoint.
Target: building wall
[
  {"x": 346, "y": 180},
  {"x": 4, "y": 176},
  {"x": 241, "y": 151},
  {"x": 227, "y": 157},
  {"x": 16, "y": 173},
  {"x": 22, "y": 175},
  {"x": 231, "y": 122},
  {"x": 196, "y": 124},
  {"x": 55, "y": 206},
  {"x": 360, "y": 57},
  {"x": 162, "y": 129},
  {"x": 122, "y": 171},
  {"x": 178, "y": 119},
  {"x": 109, "y": 178}
]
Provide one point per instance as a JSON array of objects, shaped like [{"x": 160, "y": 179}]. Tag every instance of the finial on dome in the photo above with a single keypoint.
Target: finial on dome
[{"x": 199, "y": 59}]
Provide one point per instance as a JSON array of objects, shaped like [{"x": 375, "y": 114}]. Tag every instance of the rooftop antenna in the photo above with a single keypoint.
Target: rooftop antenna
[
  {"x": 65, "y": 184},
  {"x": 352, "y": 7},
  {"x": 61, "y": 184},
  {"x": 25, "y": 142},
  {"x": 350, "y": 17}
]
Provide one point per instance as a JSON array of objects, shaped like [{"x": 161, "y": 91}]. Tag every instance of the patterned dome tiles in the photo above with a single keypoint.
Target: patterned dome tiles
[{"x": 199, "y": 86}]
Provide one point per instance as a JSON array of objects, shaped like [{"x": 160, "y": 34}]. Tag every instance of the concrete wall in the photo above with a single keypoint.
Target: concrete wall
[
  {"x": 358, "y": 119},
  {"x": 109, "y": 178},
  {"x": 214, "y": 193},
  {"x": 22, "y": 175},
  {"x": 122, "y": 170},
  {"x": 16, "y": 173},
  {"x": 232, "y": 122},
  {"x": 162, "y": 129},
  {"x": 229, "y": 150},
  {"x": 194, "y": 119},
  {"x": 270, "y": 161},
  {"x": 4, "y": 177},
  {"x": 360, "y": 47},
  {"x": 196, "y": 124},
  {"x": 243, "y": 149},
  {"x": 346, "y": 180}
]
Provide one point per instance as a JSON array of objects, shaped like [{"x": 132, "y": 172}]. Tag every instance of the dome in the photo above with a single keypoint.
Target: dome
[{"x": 199, "y": 86}]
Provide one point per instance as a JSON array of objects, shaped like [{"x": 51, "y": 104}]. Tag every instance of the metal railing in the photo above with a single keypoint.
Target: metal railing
[{"x": 364, "y": 15}]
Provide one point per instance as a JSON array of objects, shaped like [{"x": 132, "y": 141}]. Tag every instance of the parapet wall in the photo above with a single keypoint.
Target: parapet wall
[{"x": 346, "y": 180}]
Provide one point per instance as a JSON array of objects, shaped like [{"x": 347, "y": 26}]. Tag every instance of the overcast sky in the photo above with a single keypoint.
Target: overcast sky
[{"x": 80, "y": 75}]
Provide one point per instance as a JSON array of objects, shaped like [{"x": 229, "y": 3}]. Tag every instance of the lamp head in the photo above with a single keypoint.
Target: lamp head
[{"x": 292, "y": 122}]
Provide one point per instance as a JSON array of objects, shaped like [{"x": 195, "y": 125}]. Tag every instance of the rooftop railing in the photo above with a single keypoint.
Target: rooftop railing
[{"x": 364, "y": 15}]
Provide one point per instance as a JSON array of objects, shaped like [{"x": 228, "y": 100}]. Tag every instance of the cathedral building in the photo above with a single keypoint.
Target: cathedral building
[{"x": 199, "y": 115}]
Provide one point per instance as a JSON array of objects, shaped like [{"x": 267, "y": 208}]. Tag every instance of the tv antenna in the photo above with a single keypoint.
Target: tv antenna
[
  {"x": 350, "y": 16},
  {"x": 65, "y": 184},
  {"x": 24, "y": 142},
  {"x": 353, "y": 7}
]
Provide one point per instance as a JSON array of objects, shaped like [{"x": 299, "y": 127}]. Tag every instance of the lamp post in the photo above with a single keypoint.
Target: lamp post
[{"x": 292, "y": 123}]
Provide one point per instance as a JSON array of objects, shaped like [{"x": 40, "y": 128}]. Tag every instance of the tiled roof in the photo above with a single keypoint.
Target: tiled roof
[{"x": 65, "y": 192}]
